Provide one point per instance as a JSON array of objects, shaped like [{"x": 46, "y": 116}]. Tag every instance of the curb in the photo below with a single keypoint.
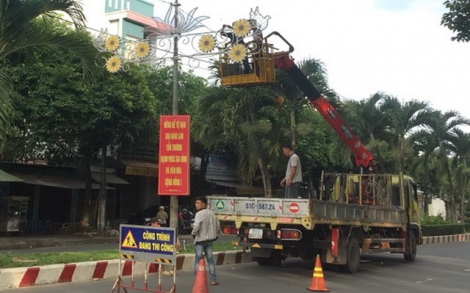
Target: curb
[
  {"x": 87, "y": 271},
  {"x": 446, "y": 238}
]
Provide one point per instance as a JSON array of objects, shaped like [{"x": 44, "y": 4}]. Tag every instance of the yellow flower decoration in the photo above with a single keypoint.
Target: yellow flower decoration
[
  {"x": 206, "y": 43},
  {"x": 237, "y": 53},
  {"x": 241, "y": 28},
  {"x": 142, "y": 50},
  {"x": 113, "y": 64},
  {"x": 112, "y": 43}
]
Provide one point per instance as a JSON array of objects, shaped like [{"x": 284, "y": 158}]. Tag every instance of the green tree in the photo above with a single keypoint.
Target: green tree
[
  {"x": 436, "y": 136},
  {"x": 369, "y": 122},
  {"x": 457, "y": 19},
  {"x": 20, "y": 31},
  {"x": 460, "y": 146},
  {"x": 62, "y": 120},
  {"x": 426, "y": 169},
  {"x": 160, "y": 83},
  {"x": 242, "y": 120},
  {"x": 295, "y": 100},
  {"x": 403, "y": 120}
]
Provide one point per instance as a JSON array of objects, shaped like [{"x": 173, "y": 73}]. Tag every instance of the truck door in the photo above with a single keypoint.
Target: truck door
[{"x": 411, "y": 200}]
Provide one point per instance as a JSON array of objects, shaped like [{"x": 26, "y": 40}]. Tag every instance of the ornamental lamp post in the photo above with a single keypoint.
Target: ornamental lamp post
[{"x": 163, "y": 44}]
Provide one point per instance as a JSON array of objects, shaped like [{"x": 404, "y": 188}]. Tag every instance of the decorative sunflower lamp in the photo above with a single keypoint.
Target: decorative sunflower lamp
[
  {"x": 142, "y": 50},
  {"x": 113, "y": 64},
  {"x": 112, "y": 43},
  {"x": 206, "y": 43}
]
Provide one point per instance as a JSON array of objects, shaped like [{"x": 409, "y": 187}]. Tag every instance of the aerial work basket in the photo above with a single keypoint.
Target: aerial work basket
[{"x": 255, "y": 69}]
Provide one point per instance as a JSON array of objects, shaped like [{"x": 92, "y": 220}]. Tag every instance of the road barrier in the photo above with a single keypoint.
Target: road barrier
[{"x": 152, "y": 247}]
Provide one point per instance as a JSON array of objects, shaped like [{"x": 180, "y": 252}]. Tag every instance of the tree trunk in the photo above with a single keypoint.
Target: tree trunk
[
  {"x": 450, "y": 195},
  {"x": 464, "y": 185},
  {"x": 88, "y": 208},
  {"x": 268, "y": 191},
  {"x": 101, "y": 218},
  {"x": 293, "y": 128}
]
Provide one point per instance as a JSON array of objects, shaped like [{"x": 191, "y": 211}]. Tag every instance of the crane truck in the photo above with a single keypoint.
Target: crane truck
[{"x": 354, "y": 214}]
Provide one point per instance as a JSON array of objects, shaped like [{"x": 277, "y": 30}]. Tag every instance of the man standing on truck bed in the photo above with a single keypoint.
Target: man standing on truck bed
[{"x": 293, "y": 178}]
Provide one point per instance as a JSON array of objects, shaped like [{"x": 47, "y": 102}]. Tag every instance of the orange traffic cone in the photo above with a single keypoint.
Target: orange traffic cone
[
  {"x": 318, "y": 282},
  {"x": 200, "y": 282}
]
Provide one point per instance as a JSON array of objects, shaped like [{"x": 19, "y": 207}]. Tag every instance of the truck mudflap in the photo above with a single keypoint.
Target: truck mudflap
[{"x": 257, "y": 245}]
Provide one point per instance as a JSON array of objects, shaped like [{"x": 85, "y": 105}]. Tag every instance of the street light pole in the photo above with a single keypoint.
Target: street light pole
[
  {"x": 173, "y": 27},
  {"x": 174, "y": 199}
]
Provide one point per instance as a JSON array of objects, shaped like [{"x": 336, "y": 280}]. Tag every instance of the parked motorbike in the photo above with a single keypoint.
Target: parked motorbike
[{"x": 185, "y": 220}]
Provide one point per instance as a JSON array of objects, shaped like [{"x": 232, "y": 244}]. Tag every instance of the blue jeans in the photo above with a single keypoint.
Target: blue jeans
[{"x": 207, "y": 248}]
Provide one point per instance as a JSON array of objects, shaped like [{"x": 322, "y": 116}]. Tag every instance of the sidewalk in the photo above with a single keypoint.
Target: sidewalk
[
  {"x": 24, "y": 242},
  {"x": 36, "y": 241}
]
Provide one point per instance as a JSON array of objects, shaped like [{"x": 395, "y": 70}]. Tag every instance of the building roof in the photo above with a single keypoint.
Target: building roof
[
  {"x": 54, "y": 180},
  {"x": 110, "y": 178}
]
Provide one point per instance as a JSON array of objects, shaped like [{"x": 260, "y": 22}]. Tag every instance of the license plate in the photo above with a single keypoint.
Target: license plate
[{"x": 255, "y": 233}]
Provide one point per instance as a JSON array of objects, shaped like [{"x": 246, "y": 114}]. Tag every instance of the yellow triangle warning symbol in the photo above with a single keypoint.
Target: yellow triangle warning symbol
[{"x": 129, "y": 241}]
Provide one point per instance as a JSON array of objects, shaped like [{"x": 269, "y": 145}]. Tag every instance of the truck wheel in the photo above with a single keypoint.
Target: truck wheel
[
  {"x": 353, "y": 257},
  {"x": 411, "y": 256},
  {"x": 274, "y": 260}
]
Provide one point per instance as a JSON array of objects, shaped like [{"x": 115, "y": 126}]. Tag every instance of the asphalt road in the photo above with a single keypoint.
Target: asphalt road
[{"x": 440, "y": 268}]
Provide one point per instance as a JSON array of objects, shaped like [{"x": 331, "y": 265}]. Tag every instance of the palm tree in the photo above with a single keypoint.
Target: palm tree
[
  {"x": 316, "y": 73},
  {"x": 20, "y": 31},
  {"x": 403, "y": 119},
  {"x": 368, "y": 121},
  {"x": 460, "y": 146},
  {"x": 439, "y": 130},
  {"x": 244, "y": 120}
]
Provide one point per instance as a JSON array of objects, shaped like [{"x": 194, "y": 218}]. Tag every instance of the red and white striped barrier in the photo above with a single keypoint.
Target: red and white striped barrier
[
  {"x": 446, "y": 239},
  {"x": 86, "y": 271}
]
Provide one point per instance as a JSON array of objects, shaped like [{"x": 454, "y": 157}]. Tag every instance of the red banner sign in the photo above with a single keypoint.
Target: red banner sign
[{"x": 173, "y": 163}]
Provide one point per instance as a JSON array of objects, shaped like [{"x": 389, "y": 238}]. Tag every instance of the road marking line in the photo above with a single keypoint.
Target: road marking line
[
  {"x": 467, "y": 270},
  {"x": 420, "y": 282}
]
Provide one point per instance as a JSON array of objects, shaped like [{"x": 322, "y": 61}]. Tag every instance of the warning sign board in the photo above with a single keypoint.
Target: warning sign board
[
  {"x": 129, "y": 241},
  {"x": 148, "y": 244}
]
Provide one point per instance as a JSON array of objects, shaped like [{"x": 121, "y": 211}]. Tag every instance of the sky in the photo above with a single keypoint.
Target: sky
[{"x": 397, "y": 47}]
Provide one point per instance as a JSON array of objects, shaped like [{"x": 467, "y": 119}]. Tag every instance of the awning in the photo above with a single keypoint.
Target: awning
[
  {"x": 7, "y": 177},
  {"x": 240, "y": 188},
  {"x": 140, "y": 167},
  {"x": 226, "y": 183},
  {"x": 110, "y": 178},
  {"x": 54, "y": 180}
]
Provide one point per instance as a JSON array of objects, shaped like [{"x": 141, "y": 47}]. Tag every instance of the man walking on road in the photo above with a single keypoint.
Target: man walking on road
[
  {"x": 205, "y": 229},
  {"x": 293, "y": 178}
]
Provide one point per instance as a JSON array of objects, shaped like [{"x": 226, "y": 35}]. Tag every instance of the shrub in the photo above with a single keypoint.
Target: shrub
[
  {"x": 433, "y": 220},
  {"x": 446, "y": 229}
]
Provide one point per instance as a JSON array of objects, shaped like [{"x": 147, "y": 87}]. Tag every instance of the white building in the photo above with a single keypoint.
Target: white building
[
  {"x": 124, "y": 18},
  {"x": 436, "y": 207}
]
